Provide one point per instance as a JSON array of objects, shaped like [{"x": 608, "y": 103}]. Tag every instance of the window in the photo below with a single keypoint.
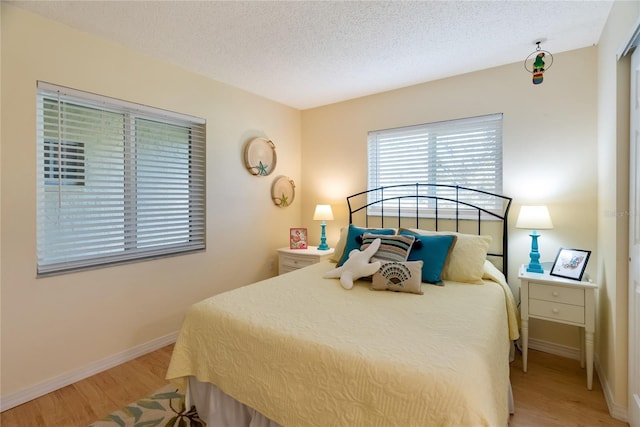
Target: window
[
  {"x": 117, "y": 181},
  {"x": 465, "y": 152}
]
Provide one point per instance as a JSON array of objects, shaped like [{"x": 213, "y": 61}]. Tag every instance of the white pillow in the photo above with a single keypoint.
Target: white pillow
[{"x": 466, "y": 262}]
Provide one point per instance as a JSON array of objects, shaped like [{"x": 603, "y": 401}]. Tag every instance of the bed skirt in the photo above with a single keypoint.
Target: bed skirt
[{"x": 217, "y": 408}]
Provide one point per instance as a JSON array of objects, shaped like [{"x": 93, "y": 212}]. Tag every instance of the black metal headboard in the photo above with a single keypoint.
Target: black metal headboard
[{"x": 437, "y": 207}]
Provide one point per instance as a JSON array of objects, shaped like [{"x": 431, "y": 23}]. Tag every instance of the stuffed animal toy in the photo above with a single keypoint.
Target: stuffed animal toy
[{"x": 356, "y": 266}]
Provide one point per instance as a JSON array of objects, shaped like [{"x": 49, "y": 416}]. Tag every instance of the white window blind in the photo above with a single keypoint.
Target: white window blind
[
  {"x": 464, "y": 152},
  {"x": 117, "y": 181}
]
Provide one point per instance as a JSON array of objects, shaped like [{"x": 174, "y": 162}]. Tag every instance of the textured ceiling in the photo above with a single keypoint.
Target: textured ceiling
[{"x": 306, "y": 54}]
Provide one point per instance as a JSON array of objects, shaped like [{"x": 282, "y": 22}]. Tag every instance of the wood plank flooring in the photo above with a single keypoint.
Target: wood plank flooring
[
  {"x": 552, "y": 393},
  {"x": 89, "y": 400}
]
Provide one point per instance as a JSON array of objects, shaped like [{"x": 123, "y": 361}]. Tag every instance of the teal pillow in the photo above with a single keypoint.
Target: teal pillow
[
  {"x": 354, "y": 243},
  {"x": 434, "y": 252}
]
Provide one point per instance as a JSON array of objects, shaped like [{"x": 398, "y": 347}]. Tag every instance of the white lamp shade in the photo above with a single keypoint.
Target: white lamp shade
[
  {"x": 534, "y": 218},
  {"x": 323, "y": 213}
]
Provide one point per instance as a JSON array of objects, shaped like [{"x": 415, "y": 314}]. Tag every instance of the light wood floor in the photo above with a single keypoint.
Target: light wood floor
[
  {"x": 89, "y": 400},
  {"x": 552, "y": 393}
]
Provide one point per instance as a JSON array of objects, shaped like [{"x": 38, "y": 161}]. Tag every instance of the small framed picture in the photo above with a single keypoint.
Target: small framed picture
[
  {"x": 570, "y": 263},
  {"x": 298, "y": 238}
]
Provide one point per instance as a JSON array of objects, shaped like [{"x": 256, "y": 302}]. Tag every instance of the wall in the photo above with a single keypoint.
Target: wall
[
  {"x": 53, "y": 327},
  {"x": 550, "y": 152},
  {"x": 613, "y": 204}
]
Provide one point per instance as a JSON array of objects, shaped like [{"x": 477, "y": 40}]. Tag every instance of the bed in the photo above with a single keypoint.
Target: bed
[{"x": 299, "y": 350}]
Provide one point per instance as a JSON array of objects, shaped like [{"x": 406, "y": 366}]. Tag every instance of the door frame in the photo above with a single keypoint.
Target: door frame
[{"x": 633, "y": 345}]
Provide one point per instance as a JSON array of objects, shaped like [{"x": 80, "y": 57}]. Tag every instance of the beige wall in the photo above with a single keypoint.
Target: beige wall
[
  {"x": 613, "y": 202},
  {"x": 549, "y": 150},
  {"x": 556, "y": 137},
  {"x": 56, "y": 325}
]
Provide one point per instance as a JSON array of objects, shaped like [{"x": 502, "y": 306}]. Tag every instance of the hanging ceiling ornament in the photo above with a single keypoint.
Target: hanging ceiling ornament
[{"x": 538, "y": 62}]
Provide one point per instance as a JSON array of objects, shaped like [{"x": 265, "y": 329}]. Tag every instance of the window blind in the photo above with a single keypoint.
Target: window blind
[
  {"x": 117, "y": 181},
  {"x": 465, "y": 152}
]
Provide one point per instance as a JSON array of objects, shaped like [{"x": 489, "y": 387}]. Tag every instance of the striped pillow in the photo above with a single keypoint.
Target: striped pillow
[{"x": 392, "y": 248}]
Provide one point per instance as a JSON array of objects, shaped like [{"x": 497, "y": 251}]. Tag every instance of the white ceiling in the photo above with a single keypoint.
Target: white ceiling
[{"x": 312, "y": 53}]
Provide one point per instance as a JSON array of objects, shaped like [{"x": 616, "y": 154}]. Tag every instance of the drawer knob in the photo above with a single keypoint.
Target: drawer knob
[
  {"x": 554, "y": 293},
  {"x": 555, "y": 311}
]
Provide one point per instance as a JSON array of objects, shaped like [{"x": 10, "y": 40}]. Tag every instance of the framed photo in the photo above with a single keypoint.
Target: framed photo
[
  {"x": 570, "y": 263},
  {"x": 298, "y": 238}
]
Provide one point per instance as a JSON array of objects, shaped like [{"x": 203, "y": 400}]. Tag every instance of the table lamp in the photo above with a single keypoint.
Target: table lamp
[
  {"x": 534, "y": 218},
  {"x": 323, "y": 213}
]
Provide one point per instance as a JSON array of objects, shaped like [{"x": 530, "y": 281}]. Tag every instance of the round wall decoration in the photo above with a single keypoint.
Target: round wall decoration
[
  {"x": 283, "y": 191},
  {"x": 260, "y": 156}
]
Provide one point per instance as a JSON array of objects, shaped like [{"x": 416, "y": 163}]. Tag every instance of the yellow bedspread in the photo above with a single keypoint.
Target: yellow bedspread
[{"x": 305, "y": 352}]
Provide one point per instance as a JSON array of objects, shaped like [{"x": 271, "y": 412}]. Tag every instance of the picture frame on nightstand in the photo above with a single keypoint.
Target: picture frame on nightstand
[
  {"x": 570, "y": 263},
  {"x": 298, "y": 238}
]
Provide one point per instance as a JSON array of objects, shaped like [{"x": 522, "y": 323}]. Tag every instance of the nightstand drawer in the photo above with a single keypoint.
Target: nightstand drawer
[
  {"x": 557, "y": 311},
  {"x": 556, "y": 294},
  {"x": 293, "y": 259},
  {"x": 294, "y": 262}
]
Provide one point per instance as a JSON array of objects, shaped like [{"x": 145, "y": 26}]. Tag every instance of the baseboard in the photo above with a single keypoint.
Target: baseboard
[
  {"x": 618, "y": 412},
  {"x": 18, "y": 398},
  {"x": 553, "y": 348}
]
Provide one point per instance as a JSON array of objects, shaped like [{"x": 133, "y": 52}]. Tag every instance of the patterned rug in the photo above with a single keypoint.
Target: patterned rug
[{"x": 164, "y": 408}]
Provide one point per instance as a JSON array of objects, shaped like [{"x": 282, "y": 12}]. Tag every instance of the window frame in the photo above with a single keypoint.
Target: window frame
[
  {"x": 155, "y": 189},
  {"x": 420, "y": 144}
]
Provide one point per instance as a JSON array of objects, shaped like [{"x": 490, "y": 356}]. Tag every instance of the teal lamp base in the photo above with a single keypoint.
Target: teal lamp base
[
  {"x": 534, "y": 262},
  {"x": 323, "y": 239}
]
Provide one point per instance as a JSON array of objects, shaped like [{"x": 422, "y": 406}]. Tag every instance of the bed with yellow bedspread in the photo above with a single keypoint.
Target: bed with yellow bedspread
[{"x": 303, "y": 351}]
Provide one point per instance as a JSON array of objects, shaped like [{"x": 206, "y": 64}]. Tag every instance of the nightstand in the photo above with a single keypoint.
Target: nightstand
[
  {"x": 293, "y": 259},
  {"x": 560, "y": 300}
]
